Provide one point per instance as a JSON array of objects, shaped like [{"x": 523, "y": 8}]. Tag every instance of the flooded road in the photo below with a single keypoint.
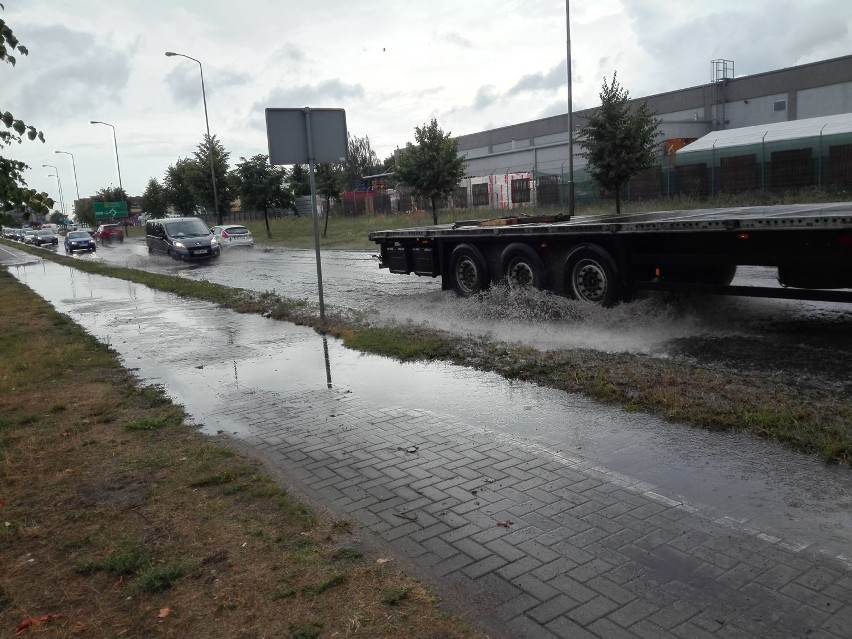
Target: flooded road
[
  {"x": 807, "y": 343},
  {"x": 215, "y": 362}
]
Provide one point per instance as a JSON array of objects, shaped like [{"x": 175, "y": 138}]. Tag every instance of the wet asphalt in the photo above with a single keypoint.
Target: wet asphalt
[{"x": 286, "y": 393}]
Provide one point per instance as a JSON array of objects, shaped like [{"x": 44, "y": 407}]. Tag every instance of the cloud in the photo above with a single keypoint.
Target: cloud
[
  {"x": 486, "y": 96},
  {"x": 68, "y": 71},
  {"x": 184, "y": 82},
  {"x": 288, "y": 51},
  {"x": 454, "y": 38},
  {"x": 556, "y": 78},
  {"x": 327, "y": 94}
]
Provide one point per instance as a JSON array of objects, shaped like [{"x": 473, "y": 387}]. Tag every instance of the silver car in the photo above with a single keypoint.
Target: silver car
[{"x": 232, "y": 235}]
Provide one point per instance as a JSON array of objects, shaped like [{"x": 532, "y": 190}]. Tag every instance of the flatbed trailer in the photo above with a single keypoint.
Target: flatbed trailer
[{"x": 606, "y": 259}]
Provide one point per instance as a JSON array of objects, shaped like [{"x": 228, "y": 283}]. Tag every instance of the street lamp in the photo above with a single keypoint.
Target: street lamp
[
  {"x": 59, "y": 185},
  {"x": 115, "y": 141},
  {"x": 74, "y": 164},
  {"x": 209, "y": 139}
]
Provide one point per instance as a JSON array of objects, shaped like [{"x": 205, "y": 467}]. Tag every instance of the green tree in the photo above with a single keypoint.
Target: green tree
[
  {"x": 13, "y": 192},
  {"x": 84, "y": 211},
  {"x": 619, "y": 140},
  {"x": 329, "y": 182},
  {"x": 154, "y": 200},
  {"x": 432, "y": 167},
  {"x": 201, "y": 182},
  {"x": 361, "y": 160},
  {"x": 111, "y": 194},
  {"x": 261, "y": 186},
  {"x": 300, "y": 181},
  {"x": 178, "y": 183}
]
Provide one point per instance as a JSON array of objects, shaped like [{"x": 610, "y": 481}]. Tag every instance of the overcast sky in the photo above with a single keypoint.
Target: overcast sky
[{"x": 392, "y": 65}]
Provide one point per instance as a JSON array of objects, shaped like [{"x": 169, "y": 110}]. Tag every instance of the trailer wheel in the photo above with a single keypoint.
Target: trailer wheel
[
  {"x": 522, "y": 267},
  {"x": 590, "y": 276},
  {"x": 468, "y": 270}
]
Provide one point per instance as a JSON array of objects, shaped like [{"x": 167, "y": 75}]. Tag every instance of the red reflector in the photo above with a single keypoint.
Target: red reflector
[
  {"x": 845, "y": 241},
  {"x": 543, "y": 245},
  {"x": 742, "y": 236},
  {"x": 225, "y": 235},
  {"x": 657, "y": 272}
]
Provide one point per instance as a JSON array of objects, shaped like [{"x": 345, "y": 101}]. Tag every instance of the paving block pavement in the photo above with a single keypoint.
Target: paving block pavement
[{"x": 527, "y": 542}]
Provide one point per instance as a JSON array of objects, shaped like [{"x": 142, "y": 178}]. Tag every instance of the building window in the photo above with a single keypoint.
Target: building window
[
  {"x": 780, "y": 105},
  {"x": 521, "y": 190},
  {"x": 479, "y": 193}
]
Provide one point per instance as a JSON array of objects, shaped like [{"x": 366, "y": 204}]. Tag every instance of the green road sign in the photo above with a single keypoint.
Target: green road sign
[{"x": 110, "y": 210}]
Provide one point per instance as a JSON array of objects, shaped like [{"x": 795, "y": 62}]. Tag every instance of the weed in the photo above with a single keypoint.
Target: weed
[
  {"x": 282, "y": 593},
  {"x": 158, "y": 578},
  {"x": 315, "y": 590},
  {"x": 149, "y": 423},
  {"x": 342, "y": 526},
  {"x": 395, "y": 595},
  {"x": 123, "y": 561},
  {"x": 311, "y": 631},
  {"x": 5, "y": 599},
  {"x": 344, "y": 554}
]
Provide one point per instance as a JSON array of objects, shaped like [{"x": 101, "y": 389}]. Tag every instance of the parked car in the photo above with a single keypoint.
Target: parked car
[
  {"x": 18, "y": 235},
  {"x": 79, "y": 241},
  {"x": 181, "y": 238},
  {"x": 109, "y": 233},
  {"x": 29, "y": 236},
  {"x": 232, "y": 235},
  {"x": 45, "y": 236}
]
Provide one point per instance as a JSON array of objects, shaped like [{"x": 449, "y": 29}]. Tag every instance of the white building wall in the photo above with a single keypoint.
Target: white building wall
[
  {"x": 753, "y": 111},
  {"x": 828, "y": 100}
]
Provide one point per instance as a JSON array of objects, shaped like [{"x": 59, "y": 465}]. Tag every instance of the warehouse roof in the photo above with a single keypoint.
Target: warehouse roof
[{"x": 810, "y": 127}]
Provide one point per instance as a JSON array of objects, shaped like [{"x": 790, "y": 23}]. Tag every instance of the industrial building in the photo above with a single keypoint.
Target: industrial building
[{"x": 790, "y": 128}]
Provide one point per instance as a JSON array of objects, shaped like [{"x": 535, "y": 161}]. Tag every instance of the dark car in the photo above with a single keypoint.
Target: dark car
[
  {"x": 181, "y": 238},
  {"x": 109, "y": 233},
  {"x": 79, "y": 241},
  {"x": 45, "y": 236}
]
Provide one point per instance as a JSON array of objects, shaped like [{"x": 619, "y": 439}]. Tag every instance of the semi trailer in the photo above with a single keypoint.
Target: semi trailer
[{"x": 608, "y": 259}]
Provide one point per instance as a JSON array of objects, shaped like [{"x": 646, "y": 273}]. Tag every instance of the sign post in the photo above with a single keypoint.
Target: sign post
[
  {"x": 110, "y": 210},
  {"x": 299, "y": 136}
]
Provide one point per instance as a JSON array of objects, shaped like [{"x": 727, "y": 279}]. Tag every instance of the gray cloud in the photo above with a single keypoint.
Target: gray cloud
[
  {"x": 68, "y": 71},
  {"x": 485, "y": 97},
  {"x": 288, "y": 51},
  {"x": 184, "y": 82},
  {"x": 455, "y": 38},
  {"x": 556, "y": 78},
  {"x": 330, "y": 93}
]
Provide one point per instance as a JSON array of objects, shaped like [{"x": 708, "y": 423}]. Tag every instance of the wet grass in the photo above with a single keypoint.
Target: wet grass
[
  {"x": 811, "y": 421},
  {"x": 139, "y": 526}
]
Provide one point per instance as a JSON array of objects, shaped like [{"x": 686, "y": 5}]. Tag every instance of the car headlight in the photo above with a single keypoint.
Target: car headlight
[
  {"x": 214, "y": 242},
  {"x": 180, "y": 245}
]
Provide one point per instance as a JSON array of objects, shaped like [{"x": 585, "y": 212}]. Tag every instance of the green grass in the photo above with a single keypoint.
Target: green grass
[{"x": 158, "y": 578}]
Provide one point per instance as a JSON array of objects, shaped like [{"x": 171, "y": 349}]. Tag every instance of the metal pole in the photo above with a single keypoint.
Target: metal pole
[
  {"x": 570, "y": 114},
  {"x": 73, "y": 164},
  {"x": 307, "y": 112},
  {"x": 115, "y": 142},
  {"x": 59, "y": 186},
  {"x": 209, "y": 139}
]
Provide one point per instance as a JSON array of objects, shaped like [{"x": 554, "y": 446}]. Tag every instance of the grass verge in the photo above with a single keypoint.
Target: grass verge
[
  {"x": 118, "y": 519},
  {"x": 810, "y": 420}
]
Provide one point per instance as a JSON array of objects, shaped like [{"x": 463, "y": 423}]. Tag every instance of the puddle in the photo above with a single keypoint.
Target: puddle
[{"x": 205, "y": 357}]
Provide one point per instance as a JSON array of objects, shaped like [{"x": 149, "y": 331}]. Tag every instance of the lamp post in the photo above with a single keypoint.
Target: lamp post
[
  {"x": 115, "y": 142},
  {"x": 570, "y": 114},
  {"x": 74, "y": 164},
  {"x": 59, "y": 185},
  {"x": 209, "y": 139}
]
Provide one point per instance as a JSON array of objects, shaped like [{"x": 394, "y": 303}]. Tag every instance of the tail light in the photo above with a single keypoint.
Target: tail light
[{"x": 224, "y": 235}]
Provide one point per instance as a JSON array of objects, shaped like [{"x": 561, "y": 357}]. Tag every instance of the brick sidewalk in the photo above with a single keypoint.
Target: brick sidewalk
[{"x": 527, "y": 543}]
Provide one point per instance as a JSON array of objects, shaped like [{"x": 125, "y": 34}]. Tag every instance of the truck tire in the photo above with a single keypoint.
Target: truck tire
[
  {"x": 468, "y": 270},
  {"x": 590, "y": 276},
  {"x": 522, "y": 267}
]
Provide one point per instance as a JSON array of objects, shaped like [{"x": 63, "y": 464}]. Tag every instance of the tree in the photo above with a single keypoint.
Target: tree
[
  {"x": 178, "y": 183},
  {"x": 619, "y": 140},
  {"x": 329, "y": 181},
  {"x": 84, "y": 211},
  {"x": 13, "y": 191},
  {"x": 154, "y": 200},
  {"x": 201, "y": 182},
  {"x": 361, "y": 160},
  {"x": 433, "y": 167},
  {"x": 111, "y": 194},
  {"x": 261, "y": 186},
  {"x": 300, "y": 181}
]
